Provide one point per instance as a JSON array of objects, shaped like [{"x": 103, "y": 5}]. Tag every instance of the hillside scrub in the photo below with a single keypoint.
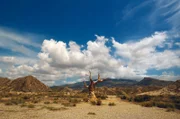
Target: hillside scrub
[{"x": 166, "y": 101}]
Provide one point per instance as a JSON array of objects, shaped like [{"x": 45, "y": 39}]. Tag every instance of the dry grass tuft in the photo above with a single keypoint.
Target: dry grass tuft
[
  {"x": 111, "y": 104},
  {"x": 91, "y": 113}
]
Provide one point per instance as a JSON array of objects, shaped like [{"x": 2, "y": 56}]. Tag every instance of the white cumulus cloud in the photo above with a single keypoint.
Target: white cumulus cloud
[{"x": 59, "y": 60}]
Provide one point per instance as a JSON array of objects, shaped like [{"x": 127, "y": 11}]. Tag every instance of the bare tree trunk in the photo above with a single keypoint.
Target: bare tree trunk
[{"x": 91, "y": 87}]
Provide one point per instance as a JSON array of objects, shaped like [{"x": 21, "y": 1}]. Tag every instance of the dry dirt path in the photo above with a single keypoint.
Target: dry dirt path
[{"x": 122, "y": 110}]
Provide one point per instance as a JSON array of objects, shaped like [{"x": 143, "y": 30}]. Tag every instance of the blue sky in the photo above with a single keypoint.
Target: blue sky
[{"x": 59, "y": 41}]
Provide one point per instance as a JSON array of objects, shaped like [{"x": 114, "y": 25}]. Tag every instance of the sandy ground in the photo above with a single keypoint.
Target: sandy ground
[{"x": 122, "y": 110}]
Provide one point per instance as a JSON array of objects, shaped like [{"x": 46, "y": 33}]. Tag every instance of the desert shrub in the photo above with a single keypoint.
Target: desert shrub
[
  {"x": 5, "y": 94},
  {"x": 177, "y": 106},
  {"x": 142, "y": 98},
  {"x": 68, "y": 104},
  {"x": 26, "y": 97},
  {"x": 93, "y": 102},
  {"x": 35, "y": 101},
  {"x": 130, "y": 99},
  {"x": 55, "y": 109},
  {"x": 111, "y": 104},
  {"x": 164, "y": 105},
  {"x": 170, "y": 110},
  {"x": 175, "y": 99},
  {"x": 17, "y": 101},
  {"x": 8, "y": 103},
  {"x": 31, "y": 106},
  {"x": 56, "y": 98},
  {"x": 74, "y": 100},
  {"x": 47, "y": 102},
  {"x": 23, "y": 105},
  {"x": 91, "y": 113},
  {"x": 101, "y": 96},
  {"x": 124, "y": 96},
  {"x": 85, "y": 99},
  {"x": 79, "y": 95},
  {"x": 99, "y": 102},
  {"x": 148, "y": 104},
  {"x": 55, "y": 102}
]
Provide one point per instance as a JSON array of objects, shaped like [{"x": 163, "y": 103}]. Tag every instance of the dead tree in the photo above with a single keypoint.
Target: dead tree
[{"x": 91, "y": 86}]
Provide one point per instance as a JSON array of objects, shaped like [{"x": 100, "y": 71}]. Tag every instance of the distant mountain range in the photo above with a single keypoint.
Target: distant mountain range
[
  {"x": 25, "y": 84},
  {"x": 147, "y": 81},
  {"x": 108, "y": 83},
  {"x": 31, "y": 84}
]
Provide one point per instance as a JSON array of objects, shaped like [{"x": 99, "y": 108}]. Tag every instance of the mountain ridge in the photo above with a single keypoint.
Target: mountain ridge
[{"x": 24, "y": 84}]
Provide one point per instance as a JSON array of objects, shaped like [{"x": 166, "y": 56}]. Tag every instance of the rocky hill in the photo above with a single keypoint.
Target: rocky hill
[
  {"x": 171, "y": 89},
  {"x": 147, "y": 81},
  {"x": 4, "y": 81},
  {"x": 24, "y": 84},
  {"x": 174, "y": 87}
]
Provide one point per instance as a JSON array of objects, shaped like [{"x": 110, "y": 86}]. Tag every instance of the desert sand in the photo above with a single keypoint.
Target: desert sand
[{"x": 122, "y": 110}]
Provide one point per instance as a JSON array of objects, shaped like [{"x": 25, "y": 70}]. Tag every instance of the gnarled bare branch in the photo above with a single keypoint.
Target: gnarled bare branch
[
  {"x": 90, "y": 77},
  {"x": 99, "y": 79},
  {"x": 85, "y": 85}
]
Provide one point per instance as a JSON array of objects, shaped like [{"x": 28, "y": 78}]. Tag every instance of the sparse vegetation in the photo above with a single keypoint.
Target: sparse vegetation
[
  {"x": 47, "y": 102},
  {"x": 96, "y": 102},
  {"x": 164, "y": 105},
  {"x": 142, "y": 98},
  {"x": 99, "y": 102},
  {"x": 23, "y": 105},
  {"x": 93, "y": 102},
  {"x": 74, "y": 100},
  {"x": 170, "y": 110},
  {"x": 91, "y": 113},
  {"x": 85, "y": 99},
  {"x": 68, "y": 104},
  {"x": 8, "y": 103},
  {"x": 148, "y": 104},
  {"x": 111, "y": 104},
  {"x": 31, "y": 106},
  {"x": 101, "y": 96},
  {"x": 55, "y": 102},
  {"x": 158, "y": 101},
  {"x": 54, "y": 108}
]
